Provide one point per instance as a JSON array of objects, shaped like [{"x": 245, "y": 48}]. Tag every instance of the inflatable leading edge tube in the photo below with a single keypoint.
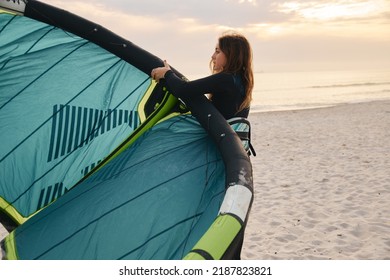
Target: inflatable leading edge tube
[{"x": 224, "y": 238}]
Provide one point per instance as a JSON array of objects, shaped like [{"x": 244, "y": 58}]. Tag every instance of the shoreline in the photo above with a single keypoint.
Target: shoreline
[
  {"x": 315, "y": 107},
  {"x": 321, "y": 183}
]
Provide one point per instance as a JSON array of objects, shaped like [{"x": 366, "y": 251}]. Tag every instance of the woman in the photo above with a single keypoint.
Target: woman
[{"x": 229, "y": 87}]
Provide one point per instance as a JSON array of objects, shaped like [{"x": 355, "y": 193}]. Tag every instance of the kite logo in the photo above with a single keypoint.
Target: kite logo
[
  {"x": 18, "y": 1},
  {"x": 87, "y": 169},
  {"x": 50, "y": 194},
  {"x": 73, "y": 127}
]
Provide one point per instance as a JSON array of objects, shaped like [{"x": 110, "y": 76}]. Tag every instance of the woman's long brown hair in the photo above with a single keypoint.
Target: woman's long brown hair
[{"x": 239, "y": 58}]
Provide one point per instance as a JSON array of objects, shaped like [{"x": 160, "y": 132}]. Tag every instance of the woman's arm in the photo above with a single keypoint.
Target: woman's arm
[{"x": 216, "y": 83}]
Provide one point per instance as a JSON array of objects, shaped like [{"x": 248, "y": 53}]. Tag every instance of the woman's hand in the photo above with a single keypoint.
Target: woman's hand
[{"x": 159, "y": 72}]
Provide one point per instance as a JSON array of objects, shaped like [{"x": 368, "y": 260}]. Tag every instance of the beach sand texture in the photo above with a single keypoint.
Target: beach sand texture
[{"x": 322, "y": 184}]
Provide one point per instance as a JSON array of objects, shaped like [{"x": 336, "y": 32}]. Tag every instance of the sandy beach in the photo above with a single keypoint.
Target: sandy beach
[{"x": 322, "y": 184}]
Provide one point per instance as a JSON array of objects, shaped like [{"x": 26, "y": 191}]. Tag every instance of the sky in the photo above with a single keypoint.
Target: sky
[{"x": 285, "y": 35}]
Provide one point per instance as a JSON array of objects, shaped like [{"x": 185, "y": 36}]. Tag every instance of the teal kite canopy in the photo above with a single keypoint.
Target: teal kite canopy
[
  {"x": 153, "y": 201},
  {"x": 100, "y": 162}
]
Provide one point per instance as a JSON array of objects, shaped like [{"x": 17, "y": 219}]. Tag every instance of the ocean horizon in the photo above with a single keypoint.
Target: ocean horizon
[{"x": 280, "y": 91}]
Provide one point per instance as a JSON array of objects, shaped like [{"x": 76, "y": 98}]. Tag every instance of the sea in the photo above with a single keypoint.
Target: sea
[{"x": 278, "y": 91}]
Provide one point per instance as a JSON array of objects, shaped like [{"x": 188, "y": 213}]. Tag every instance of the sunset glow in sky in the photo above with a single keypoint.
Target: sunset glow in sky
[{"x": 285, "y": 35}]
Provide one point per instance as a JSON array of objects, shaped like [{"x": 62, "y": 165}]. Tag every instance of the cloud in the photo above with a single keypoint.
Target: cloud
[
  {"x": 332, "y": 10},
  {"x": 235, "y": 13},
  {"x": 267, "y": 19},
  {"x": 292, "y": 33},
  {"x": 338, "y": 18}
]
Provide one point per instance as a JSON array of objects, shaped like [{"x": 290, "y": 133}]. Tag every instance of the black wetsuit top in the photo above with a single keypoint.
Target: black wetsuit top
[{"x": 228, "y": 91}]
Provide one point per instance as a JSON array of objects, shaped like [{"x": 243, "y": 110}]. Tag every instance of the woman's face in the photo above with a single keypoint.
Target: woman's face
[{"x": 218, "y": 60}]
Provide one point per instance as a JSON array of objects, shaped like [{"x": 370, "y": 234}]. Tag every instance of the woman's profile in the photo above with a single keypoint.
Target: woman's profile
[{"x": 231, "y": 83}]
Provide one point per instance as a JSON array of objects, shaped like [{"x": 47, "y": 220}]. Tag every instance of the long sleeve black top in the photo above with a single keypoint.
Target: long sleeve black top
[{"x": 228, "y": 91}]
